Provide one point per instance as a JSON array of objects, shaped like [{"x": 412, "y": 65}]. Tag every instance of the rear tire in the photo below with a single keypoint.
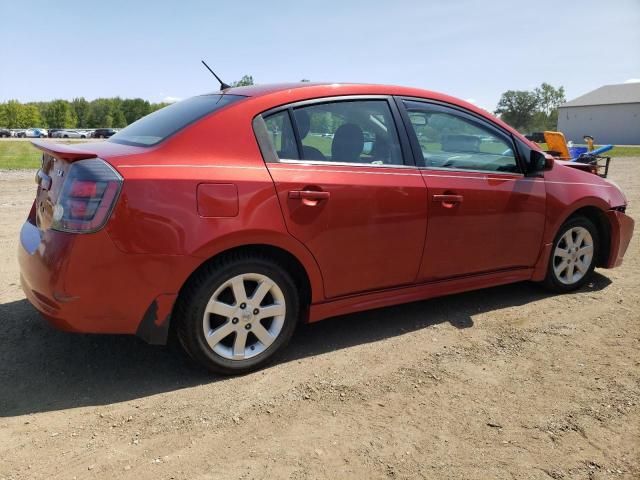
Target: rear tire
[
  {"x": 237, "y": 313},
  {"x": 573, "y": 255}
]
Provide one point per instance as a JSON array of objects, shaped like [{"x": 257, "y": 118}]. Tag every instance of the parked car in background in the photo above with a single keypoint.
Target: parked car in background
[
  {"x": 70, "y": 134},
  {"x": 104, "y": 132},
  {"x": 52, "y": 132},
  {"x": 220, "y": 219},
  {"x": 5, "y": 133},
  {"x": 35, "y": 133},
  {"x": 18, "y": 132}
]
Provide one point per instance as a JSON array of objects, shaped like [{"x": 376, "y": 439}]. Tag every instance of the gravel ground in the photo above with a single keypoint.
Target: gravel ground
[{"x": 503, "y": 383}]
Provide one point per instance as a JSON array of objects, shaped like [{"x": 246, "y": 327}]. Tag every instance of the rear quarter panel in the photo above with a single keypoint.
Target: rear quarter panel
[{"x": 157, "y": 212}]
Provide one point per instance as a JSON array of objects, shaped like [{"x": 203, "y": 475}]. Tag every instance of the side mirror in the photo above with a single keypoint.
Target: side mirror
[
  {"x": 539, "y": 161},
  {"x": 548, "y": 162}
]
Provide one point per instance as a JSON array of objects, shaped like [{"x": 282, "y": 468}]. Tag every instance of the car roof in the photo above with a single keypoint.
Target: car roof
[
  {"x": 286, "y": 92},
  {"x": 316, "y": 88}
]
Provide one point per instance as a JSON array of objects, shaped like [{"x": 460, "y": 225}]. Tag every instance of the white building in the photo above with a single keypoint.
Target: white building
[{"x": 610, "y": 114}]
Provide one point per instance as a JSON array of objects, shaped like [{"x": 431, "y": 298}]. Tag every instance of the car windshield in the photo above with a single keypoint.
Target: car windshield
[{"x": 163, "y": 123}]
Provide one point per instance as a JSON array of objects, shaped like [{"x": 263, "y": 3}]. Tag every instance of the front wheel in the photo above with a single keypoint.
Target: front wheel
[
  {"x": 573, "y": 255},
  {"x": 237, "y": 313}
]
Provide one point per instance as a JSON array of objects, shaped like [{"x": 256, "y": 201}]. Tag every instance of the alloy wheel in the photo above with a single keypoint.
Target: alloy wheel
[
  {"x": 573, "y": 255},
  {"x": 244, "y": 316}
]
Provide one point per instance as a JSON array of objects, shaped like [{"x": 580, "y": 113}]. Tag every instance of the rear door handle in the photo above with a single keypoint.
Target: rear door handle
[
  {"x": 309, "y": 197},
  {"x": 309, "y": 194},
  {"x": 448, "y": 198}
]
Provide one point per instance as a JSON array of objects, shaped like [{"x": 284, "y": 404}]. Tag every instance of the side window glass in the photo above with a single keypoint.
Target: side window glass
[
  {"x": 450, "y": 140},
  {"x": 281, "y": 135},
  {"x": 349, "y": 132}
]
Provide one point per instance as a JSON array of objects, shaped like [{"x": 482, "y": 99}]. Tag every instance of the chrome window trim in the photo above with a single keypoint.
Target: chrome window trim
[
  {"x": 270, "y": 155},
  {"x": 466, "y": 170},
  {"x": 343, "y": 164}
]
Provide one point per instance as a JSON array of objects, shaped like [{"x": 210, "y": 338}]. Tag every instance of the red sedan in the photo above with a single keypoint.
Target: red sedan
[{"x": 230, "y": 217}]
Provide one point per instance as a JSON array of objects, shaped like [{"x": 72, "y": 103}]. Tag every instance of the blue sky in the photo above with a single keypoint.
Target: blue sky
[{"x": 470, "y": 49}]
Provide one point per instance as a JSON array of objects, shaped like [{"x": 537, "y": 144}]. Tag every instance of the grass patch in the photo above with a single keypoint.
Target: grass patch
[
  {"x": 16, "y": 155},
  {"x": 21, "y": 155}
]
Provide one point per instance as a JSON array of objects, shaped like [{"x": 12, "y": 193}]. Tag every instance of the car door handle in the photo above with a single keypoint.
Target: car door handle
[
  {"x": 311, "y": 198},
  {"x": 448, "y": 198},
  {"x": 309, "y": 194}
]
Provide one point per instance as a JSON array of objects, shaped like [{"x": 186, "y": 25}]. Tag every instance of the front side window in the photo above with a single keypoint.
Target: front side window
[{"x": 451, "y": 139}]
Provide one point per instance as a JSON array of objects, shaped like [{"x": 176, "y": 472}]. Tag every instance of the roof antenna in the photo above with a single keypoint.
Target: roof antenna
[{"x": 222, "y": 84}]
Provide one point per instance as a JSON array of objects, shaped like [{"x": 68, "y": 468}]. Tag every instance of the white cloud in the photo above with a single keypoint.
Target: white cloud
[
  {"x": 169, "y": 99},
  {"x": 632, "y": 80}
]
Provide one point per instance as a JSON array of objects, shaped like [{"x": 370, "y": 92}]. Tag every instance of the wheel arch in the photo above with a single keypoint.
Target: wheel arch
[
  {"x": 290, "y": 262},
  {"x": 592, "y": 208},
  {"x": 599, "y": 218}
]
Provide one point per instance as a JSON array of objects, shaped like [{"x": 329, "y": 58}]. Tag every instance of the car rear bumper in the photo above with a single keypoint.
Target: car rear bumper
[
  {"x": 621, "y": 232},
  {"x": 83, "y": 283}
]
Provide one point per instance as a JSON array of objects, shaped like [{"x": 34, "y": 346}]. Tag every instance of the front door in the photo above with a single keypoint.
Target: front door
[
  {"x": 347, "y": 194},
  {"x": 484, "y": 214}
]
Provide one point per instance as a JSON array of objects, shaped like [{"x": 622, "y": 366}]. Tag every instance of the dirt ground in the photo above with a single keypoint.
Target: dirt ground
[{"x": 504, "y": 383}]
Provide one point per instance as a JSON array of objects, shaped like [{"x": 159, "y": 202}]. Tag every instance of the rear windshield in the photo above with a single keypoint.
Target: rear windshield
[{"x": 163, "y": 123}]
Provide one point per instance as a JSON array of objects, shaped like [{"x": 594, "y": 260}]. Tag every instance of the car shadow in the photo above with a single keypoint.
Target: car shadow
[{"x": 42, "y": 369}]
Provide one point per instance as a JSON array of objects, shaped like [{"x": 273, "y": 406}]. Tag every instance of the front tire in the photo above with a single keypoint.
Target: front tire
[
  {"x": 573, "y": 255},
  {"x": 237, "y": 313}
]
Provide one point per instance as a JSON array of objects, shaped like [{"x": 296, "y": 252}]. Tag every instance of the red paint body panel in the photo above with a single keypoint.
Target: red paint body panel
[
  {"x": 217, "y": 200},
  {"x": 369, "y": 234},
  {"x": 378, "y": 239},
  {"x": 82, "y": 283},
  {"x": 498, "y": 224},
  {"x": 621, "y": 233}
]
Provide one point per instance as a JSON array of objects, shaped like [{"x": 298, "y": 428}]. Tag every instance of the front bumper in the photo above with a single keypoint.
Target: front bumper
[
  {"x": 83, "y": 283},
  {"x": 621, "y": 232}
]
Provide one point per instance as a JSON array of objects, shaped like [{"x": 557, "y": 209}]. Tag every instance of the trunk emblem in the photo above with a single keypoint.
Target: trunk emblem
[{"x": 59, "y": 172}]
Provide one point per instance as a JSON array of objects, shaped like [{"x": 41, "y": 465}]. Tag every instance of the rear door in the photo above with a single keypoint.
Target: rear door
[
  {"x": 346, "y": 191},
  {"x": 484, "y": 214}
]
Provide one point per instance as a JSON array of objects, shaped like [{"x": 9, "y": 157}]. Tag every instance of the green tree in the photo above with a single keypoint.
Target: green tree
[
  {"x": 30, "y": 116},
  {"x": 81, "y": 109},
  {"x": 119, "y": 120},
  {"x": 59, "y": 114},
  {"x": 243, "y": 82},
  {"x": 549, "y": 98},
  {"x": 157, "y": 106},
  {"x": 12, "y": 114},
  {"x": 134, "y": 109},
  {"x": 100, "y": 113},
  {"x": 518, "y": 108}
]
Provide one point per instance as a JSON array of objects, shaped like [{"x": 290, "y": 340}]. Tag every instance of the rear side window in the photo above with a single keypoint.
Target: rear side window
[
  {"x": 360, "y": 131},
  {"x": 281, "y": 135},
  {"x": 344, "y": 131},
  {"x": 163, "y": 123}
]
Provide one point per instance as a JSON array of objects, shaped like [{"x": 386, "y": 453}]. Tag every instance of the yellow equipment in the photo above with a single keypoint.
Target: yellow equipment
[{"x": 557, "y": 145}]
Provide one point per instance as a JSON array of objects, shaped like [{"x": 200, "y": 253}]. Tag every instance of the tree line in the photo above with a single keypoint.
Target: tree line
[
  {"x": 77, "y": 113},
  {"x": 527, "y": 111},
  {"x": 80, "y": 113},
  {"x": 531, "y": 111}
]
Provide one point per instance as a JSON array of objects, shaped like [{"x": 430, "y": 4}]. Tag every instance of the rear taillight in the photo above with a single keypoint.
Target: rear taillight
[{"x": 87, "y": 197}]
